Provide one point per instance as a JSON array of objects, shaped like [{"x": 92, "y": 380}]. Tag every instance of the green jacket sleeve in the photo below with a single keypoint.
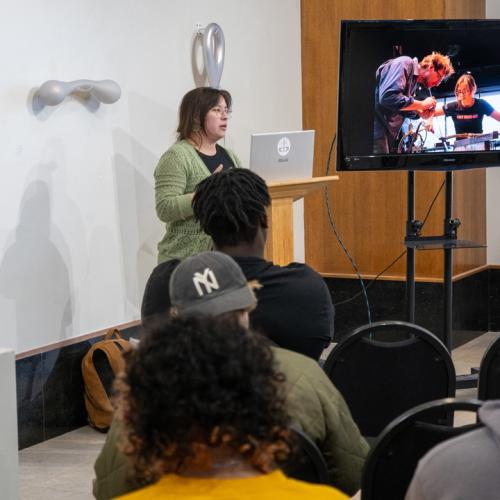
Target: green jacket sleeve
[
  {"x": 344, "y": 448},
  {"x": 172, "y": 201},
  {"x": 234, "y": 157},
  {"x": 112, "y": 470},
  {"x": 322, "y": 412}
]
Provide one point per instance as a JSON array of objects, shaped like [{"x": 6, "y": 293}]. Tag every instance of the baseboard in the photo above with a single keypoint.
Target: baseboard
[{"x": 476, "y": 304}]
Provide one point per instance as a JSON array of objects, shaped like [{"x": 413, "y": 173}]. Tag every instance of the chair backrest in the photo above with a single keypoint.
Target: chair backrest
[
  {"x": 489, "y": 373},
  {"x": 307, "y": 462},
  {"x": 392, "y": 461},
  {"x": 388, "y": 367}
]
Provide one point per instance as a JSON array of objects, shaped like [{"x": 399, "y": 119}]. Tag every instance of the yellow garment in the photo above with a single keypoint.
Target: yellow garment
[{"x": 265, "y": 487}]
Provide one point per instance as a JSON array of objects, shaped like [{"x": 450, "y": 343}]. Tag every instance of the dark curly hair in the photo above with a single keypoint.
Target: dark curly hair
[
  {"x": 198, "y": 383},
  {"x": 231, "y": 205}
]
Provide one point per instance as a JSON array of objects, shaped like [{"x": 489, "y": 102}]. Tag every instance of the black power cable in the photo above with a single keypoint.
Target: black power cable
[
  {"x": 334, "y": 227},
  {"x": 399, "y": 256},
  {"x": 364, "y": 287},
  {"x": 355, "y": 296}
]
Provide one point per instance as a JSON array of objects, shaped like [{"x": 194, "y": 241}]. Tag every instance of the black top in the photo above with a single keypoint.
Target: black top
[
  {"x": 219, "y": 158},
  {"x": 294, "y": 307},
  {"x": 468, "y": 120}
]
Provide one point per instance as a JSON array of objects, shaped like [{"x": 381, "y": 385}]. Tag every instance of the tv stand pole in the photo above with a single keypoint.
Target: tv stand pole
[
  {"x": 450, "y": 232},
  {"x": 410, "y": 251},
  {"x": 447, "y": 242}
]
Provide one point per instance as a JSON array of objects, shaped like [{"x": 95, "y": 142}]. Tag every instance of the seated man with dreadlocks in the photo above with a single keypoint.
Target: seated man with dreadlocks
[{"x": 294, "y": 305}]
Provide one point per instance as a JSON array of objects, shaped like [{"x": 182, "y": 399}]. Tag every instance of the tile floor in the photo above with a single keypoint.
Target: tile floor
[{"x": 62, "y": 468}]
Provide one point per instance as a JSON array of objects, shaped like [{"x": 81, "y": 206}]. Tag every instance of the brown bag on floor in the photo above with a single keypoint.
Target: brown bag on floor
[{"x": 103, "y": 361}]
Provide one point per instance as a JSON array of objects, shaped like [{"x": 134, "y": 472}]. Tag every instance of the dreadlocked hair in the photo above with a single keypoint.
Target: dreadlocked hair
[{"x": 231, "y": 205}]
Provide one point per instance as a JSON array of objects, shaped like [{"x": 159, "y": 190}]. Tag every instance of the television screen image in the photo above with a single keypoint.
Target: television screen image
[{"x": 419, "y": 95}]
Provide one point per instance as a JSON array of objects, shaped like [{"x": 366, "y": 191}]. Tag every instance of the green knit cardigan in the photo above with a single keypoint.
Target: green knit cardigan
[{"x": 178, "y": 172}]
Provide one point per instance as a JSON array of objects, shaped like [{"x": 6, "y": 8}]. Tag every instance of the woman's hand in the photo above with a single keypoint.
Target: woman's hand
[{"x": 216, "y": 171}]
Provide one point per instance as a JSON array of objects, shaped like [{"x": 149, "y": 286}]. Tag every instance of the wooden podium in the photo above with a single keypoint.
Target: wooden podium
[{"x": 279, "y": 246}]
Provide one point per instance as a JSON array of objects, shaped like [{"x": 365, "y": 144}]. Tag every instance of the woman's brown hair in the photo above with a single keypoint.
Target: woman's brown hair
[
  {"x": 468, "y": 81},
  {"x": 194, "y": 108}
]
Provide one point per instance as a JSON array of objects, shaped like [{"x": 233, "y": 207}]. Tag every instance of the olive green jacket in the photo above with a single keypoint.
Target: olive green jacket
[
  {"x": 313, "y": 402},
  {"x": 177, "y": 174}
]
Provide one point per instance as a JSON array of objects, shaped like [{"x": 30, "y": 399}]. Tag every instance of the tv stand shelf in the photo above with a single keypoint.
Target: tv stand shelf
[
  {"x": 433, "y": 243},
  {"x": 447, "y": 242}
]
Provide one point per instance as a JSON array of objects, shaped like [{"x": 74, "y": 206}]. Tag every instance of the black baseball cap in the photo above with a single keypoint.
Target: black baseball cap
[{"x": 210, "y": 283}]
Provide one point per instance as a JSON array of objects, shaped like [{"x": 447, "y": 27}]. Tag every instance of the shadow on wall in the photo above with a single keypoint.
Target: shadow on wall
[
  {"x": 134, "y": 165},
  {"x": 34, "y": 275},
  {"x": 137, "y": 246}
]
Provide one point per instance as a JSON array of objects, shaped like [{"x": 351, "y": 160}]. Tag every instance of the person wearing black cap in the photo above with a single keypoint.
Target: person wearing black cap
[{"x": 212, "y": 282}]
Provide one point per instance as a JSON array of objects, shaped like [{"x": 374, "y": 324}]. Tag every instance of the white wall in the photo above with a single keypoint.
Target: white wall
[
  {"x": 78, "y": 231},
  {"x": 493, "y": 180},
  {"x": 8, "y": 426}
]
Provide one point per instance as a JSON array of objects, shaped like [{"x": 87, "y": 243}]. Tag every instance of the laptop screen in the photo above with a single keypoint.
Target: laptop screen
[{"x": 281, "y": 156}]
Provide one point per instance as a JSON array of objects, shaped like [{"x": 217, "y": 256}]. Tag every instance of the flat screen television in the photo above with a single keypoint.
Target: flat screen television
[{"x": 402, "y": 107}]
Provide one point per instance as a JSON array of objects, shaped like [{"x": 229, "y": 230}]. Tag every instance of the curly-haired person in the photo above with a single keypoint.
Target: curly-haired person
[{"x": 205, "y": 416}]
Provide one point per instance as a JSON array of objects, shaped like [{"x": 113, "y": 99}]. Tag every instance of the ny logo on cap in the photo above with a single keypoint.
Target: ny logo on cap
[{"x": 207, "y": 279}]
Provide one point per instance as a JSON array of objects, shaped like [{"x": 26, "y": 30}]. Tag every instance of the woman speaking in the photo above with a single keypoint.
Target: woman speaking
[{"x": 203, "y": 120}]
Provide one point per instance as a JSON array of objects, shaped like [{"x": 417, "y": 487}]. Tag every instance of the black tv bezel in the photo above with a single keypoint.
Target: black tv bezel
[{"x": 444, "y": 161}]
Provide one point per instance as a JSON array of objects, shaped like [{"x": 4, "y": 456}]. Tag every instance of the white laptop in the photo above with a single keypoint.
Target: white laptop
[{"x": 282, "y": 156}]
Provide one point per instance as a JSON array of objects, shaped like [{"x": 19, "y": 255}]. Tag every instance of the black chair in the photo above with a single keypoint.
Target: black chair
[
  {"x": 307, "y": 462},
  {"x": 489, "y": 373},
  {"x": 387, "y": 368},
  {"x": 392, "y": 461}
]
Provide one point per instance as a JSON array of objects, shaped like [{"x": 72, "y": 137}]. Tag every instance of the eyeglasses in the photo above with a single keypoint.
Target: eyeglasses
[
  {"x": 442, "y": 76},
  {"x": 221, "y": 111}
]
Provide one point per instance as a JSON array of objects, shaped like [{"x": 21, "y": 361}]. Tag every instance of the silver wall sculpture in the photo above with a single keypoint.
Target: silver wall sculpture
[
  {"x": 53, "y": 92},
  {"x": 213, "y": 53}
]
